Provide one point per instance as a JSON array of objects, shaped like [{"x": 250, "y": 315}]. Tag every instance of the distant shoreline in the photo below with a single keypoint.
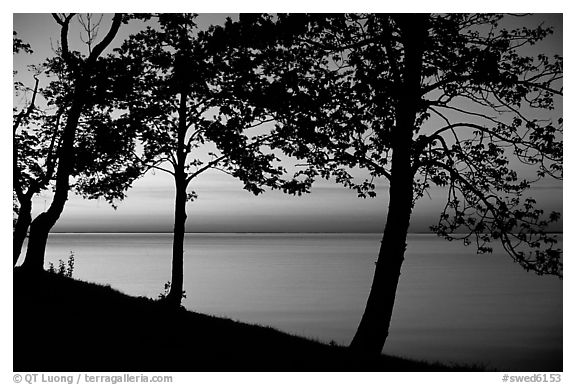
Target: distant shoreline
[
  {"x": 218, "y": 232},
  {"x": 250, "y": 232}
]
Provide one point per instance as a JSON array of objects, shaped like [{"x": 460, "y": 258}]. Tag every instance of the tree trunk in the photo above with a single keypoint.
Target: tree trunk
[
  {"x": 375, "y": 323},
  {"x": 39, "y": 230},
  {"x": 41, "y": 226},
  {"x": 174, "y": 297},
  {"x": 21, "y": 227},
  {"x": 373, "y": 329}
]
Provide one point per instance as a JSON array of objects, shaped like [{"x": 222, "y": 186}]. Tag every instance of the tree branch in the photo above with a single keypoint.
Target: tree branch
[
  {"x": 26, "y": 113},
  {"x": 370, "y": 163},
  {"x": 64, "y": 24},
  {"x": 208, "y": 165},
  {"x": 99, "y": 48}
]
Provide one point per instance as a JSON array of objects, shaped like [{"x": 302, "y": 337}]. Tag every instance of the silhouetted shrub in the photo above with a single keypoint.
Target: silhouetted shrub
[
  {"x": 64, "y": 268},
  {"x": 167, "y": 286}
]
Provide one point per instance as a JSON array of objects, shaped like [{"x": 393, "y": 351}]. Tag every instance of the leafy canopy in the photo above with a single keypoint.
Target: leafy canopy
[
  {"x": 101, "y": 166},
  {"x": 180, "y": 101}
]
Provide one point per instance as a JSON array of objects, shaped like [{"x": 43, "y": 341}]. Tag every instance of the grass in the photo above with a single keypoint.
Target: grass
[{"x": 62, "y": 324}]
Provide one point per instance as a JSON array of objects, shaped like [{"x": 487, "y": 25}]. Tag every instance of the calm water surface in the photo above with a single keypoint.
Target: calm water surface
[{"x": 451, "y": 305}]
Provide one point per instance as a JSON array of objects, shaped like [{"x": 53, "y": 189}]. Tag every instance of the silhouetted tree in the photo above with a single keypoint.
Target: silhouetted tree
[
  {"x": 75, "y": 95},
  {"x": 22, "y": 195},
  {"x": 102, "y": 166},
  {"x": 419, "y": 100},
  {"x": 189, "y": 120}
]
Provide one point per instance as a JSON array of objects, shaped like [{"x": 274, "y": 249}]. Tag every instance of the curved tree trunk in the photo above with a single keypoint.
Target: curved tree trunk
[
  {"x": 21, "y": 228},
  {"x": 43, "y": 223},
  {"x": 374, "y": 325},
  {"x": 373, "y": 329}
]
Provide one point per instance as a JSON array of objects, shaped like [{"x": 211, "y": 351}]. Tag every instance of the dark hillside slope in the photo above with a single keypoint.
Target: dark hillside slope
[{"x": 61, "y": 324}]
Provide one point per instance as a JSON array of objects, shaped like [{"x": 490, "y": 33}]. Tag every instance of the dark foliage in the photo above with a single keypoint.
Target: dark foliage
[
  {"x": 420, "y": 101},
  {"x": 485, "y": 106}
]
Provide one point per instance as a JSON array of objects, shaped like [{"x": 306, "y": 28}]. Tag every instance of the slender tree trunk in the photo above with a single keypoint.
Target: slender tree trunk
[
  {"x": 21, "y": 227},
  {"x": 174, "y": 297},
  {"x": 177, "y": 283},
  {"x": 374, "y": 325}
]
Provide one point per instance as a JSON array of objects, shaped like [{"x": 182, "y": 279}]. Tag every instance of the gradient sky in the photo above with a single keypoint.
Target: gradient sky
[{"x": 222, "y": 205}]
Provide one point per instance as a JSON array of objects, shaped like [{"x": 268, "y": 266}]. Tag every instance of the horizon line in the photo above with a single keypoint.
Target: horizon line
[
  {"x": 251, "y": 232},
  {"x": 219, "y": 232}
]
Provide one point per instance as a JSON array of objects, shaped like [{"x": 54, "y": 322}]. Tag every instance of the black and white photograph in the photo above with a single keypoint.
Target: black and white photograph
[{"x": 287, "y": 192}]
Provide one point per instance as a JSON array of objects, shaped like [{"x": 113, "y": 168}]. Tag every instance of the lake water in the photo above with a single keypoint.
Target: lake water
[{"x": 452, "y": 304}]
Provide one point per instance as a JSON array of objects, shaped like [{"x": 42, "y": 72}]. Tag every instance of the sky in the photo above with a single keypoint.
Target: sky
[{"x": 223, "y": 206}]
